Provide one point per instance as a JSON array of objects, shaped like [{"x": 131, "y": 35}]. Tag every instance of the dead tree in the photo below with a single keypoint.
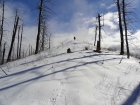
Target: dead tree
[
  {"x": 43, "y": 16},
  {"x": 1, "y": 26},
  {"x": 39, "y": 26},
  {"x": 120, "y": 27},
  {"x": 99, "y": 44},
  {"x": 20, "y": 42},
  {"x": 50, "y": 41},
  {"x": 2, "y": 23},
  {"x": 44, "y": 33},
  {"x": 98, "y": 49},
  {"x": 13, "y": 37},
  {"x": 95, "y": 34},
  {"x": 2, "y": 62},
  {"x": 125, "y": 27}
]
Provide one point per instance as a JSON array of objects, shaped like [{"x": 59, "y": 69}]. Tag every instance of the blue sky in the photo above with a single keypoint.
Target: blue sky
[
  {"x": 66, "y": 9},
  {"x": 73, "y": 17}
]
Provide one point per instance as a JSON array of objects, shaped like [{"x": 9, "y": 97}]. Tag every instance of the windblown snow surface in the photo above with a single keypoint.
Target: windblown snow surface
[{"x": 83, "y": 77}]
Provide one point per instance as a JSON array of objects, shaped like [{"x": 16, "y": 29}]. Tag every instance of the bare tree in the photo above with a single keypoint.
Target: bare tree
[
  {"x": 44, "y": 12},
  {"x": 13, "y": 36},
  {"x": 43, "y": 36},
  {"x": 1, "y": 27},
  {"x": 120, "y": 27},
  {"x": 95, "y": 34},
  {"x": 39, "y": 26},
  {"x": 20, "y": 42},
  {"x": 2, "y": 62},
  {"x": 125, "y": 27},
  {"x": 98, "y": 49}
]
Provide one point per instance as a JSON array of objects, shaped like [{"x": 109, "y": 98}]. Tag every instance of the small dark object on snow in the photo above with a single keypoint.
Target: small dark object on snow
[
  {"x": 86, "y": 48},
  {"x": 74, "y": 38},
  {"x": 68, "y": 50}
]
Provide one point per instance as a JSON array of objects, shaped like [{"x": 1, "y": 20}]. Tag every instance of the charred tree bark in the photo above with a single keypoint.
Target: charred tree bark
[
  {"x": 13, "y": 37},
  {"x": 43, "y": 36},
  {"x": 2, "y": 62},
  {"x": 29, "y": 50},
  {"x": 99, "y": 42},
  {"x": 120, "y": 27},
  {"x": 39, "y": 26},
  {"x": 125, "y": 27},
  {"x": 95, "y": 35},
  {"x": 2, "y": 23},
  {"x": 20, "y": 42},
  {"x": 50, "y": 41}
]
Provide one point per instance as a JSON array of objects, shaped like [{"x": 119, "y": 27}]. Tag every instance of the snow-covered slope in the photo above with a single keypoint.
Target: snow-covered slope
[{"x": 55, "y": 77}]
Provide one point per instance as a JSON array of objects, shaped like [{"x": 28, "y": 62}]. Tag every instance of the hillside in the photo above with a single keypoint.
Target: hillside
[{"x": 82, "y": 77}]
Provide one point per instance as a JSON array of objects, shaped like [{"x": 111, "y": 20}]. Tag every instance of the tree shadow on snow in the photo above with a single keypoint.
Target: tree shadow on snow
[
  {"x": 133, "y": 97},
  {"x": 55, "y": 72}
]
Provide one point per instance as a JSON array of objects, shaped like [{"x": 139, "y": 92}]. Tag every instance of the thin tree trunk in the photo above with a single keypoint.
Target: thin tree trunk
[
  {"x": 95, "y": 35},
  {"x": 29, "y": 50},
  {"x": 99, "y": 42},
  {"x": 43, "y": 36},
  {"x": 2, "y": 23},
  {"x": 13, "y": 38},
  {"x": 125, "y": 26},
  {"x": 39, "y": 27},
  {"x": 13, "y": 51},
  {"x": 20, "y": 42},
  {"x": 50, "y": 41},
  {"x": 120, "y": 27},
  {"x": 2, "y": 62}
]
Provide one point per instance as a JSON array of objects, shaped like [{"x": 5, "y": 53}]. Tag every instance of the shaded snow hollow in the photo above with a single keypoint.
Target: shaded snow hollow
[{"x": 80, "y": 78}]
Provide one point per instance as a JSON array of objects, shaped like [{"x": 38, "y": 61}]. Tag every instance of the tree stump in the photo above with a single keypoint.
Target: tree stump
[
  {"x": 86, "y": 48},
  {"x": 68, "y": 50},
  {"x": 74, "y": 38}
]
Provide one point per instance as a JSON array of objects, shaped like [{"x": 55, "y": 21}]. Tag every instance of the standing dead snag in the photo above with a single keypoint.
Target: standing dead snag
[
  {"x": 1, "y": 27},
  {"x": 2, "y": 23},
  {"x": 39, "y": 26},
  {"x": 13, "y": 37},
  {"x": 125, "y": 27},
  {"x": 120, "y": 27},
  {"x": 2, "y": 62},
  {"x": 98, "y": 49},
  {"x": 99, "y": 43},
  {"x": 124, "y": 21},
  {"x": 95, "y": 35},
  {"x": 20, "y": 42},
  {"x": 44, "y": 33},
  {"x": 43, "y": 16}
]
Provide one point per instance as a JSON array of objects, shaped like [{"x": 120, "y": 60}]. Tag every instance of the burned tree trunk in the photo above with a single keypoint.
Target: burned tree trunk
[
  {"x": 13, "y": 37},
  {"x": 2, "y": 62},
  {"x": 2, "y": 24},
  {"x": 43, "y": 36},
  {"x": 98, "y": 49},
  {"x": 95, "y": 35},
  {"x": 120, "y": 27},
  {"x": 125, "y": 27},
  {"x": 39, "y": 26},
  {"x": 20, "y": 42}
]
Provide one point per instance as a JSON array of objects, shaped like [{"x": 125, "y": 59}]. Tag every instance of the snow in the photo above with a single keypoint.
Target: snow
[{"x": 55, "y": 77}]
